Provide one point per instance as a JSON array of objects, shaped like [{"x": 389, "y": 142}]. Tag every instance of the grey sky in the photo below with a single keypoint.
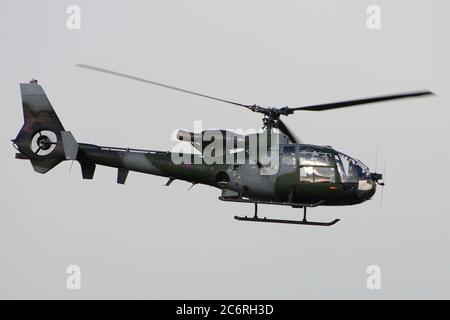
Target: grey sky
[{"x": 143, "y": 240}]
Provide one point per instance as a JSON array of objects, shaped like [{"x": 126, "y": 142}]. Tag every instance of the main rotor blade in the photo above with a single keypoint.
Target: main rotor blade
[
  {"x": 115, "y": 73},
  {"x": 350, "y": 103},
  {"x": 284, "y": 128}
]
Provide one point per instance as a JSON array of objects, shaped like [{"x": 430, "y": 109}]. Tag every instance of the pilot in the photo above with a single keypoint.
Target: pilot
[{"x": 354, "y": 171}]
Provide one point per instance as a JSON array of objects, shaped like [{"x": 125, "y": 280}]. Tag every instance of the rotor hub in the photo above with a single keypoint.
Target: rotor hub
[{"x": 44, "y": 142}]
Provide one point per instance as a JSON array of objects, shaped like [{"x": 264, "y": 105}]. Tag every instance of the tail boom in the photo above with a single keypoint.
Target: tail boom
[{"x": 44, "y": 141}]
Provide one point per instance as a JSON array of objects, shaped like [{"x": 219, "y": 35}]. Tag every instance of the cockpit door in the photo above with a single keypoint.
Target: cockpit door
[
  {"x": 317, "y": 174},
  {"x": 287, "y": 179}
]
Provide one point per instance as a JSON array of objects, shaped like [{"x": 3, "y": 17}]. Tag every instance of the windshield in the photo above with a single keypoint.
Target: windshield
[{"x": 350, "y": 169}]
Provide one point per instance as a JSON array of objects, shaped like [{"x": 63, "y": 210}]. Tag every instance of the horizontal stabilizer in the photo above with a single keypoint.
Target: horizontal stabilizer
[{"x": 21, "y": 156}]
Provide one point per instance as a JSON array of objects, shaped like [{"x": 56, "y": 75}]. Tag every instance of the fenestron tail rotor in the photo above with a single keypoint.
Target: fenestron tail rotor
[
  {"x": 272, "y": 115},
  {"x": 43, "y": 142}
]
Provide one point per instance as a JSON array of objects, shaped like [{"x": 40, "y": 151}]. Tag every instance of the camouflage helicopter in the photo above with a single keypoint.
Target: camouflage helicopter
[{"x": 302, "y": 176}]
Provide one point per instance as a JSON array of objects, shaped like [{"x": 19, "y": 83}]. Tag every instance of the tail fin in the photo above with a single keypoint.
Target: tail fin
[{"x": 42, "y": 138}]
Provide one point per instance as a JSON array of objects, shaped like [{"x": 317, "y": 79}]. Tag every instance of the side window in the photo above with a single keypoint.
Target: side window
[
  {"x": 307, "y": 174},
  {"x": 314, "y": 158},
  {"x": 288, "y": 156},
  {"x": 324, "y": 174},
  {"x": 316, "y": 166},
  {"x": 317, "y": 174}
]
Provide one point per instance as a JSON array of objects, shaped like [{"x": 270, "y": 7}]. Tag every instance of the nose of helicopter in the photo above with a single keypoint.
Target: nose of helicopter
[
  {"x": 371, "y": 188},
  {"x": 377, "y": 177}
]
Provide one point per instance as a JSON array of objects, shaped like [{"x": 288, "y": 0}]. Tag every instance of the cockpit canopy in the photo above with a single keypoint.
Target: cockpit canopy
[
  {"x": 319, "y": 164},
  {"x": 351, "y": 169}
]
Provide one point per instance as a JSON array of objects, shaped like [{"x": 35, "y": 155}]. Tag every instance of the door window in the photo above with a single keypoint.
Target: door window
[
  {"x": 307, "y": 174},
  {"x": 316, "y": 166},
  {"x": 288, "y": 156}
]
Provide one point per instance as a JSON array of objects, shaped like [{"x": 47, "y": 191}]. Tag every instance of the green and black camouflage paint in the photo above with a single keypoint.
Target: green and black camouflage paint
[{"x": 235, "y": 180}]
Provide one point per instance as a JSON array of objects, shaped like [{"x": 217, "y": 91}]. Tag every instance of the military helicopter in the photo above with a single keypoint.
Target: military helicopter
[{"x": 302, "y": 175}]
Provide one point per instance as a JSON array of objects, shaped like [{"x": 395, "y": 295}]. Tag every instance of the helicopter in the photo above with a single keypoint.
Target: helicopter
[{"x": 287, "y": 173}]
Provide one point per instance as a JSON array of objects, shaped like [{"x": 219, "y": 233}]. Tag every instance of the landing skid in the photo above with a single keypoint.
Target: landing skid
[{"x": 255, "y": 218}]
